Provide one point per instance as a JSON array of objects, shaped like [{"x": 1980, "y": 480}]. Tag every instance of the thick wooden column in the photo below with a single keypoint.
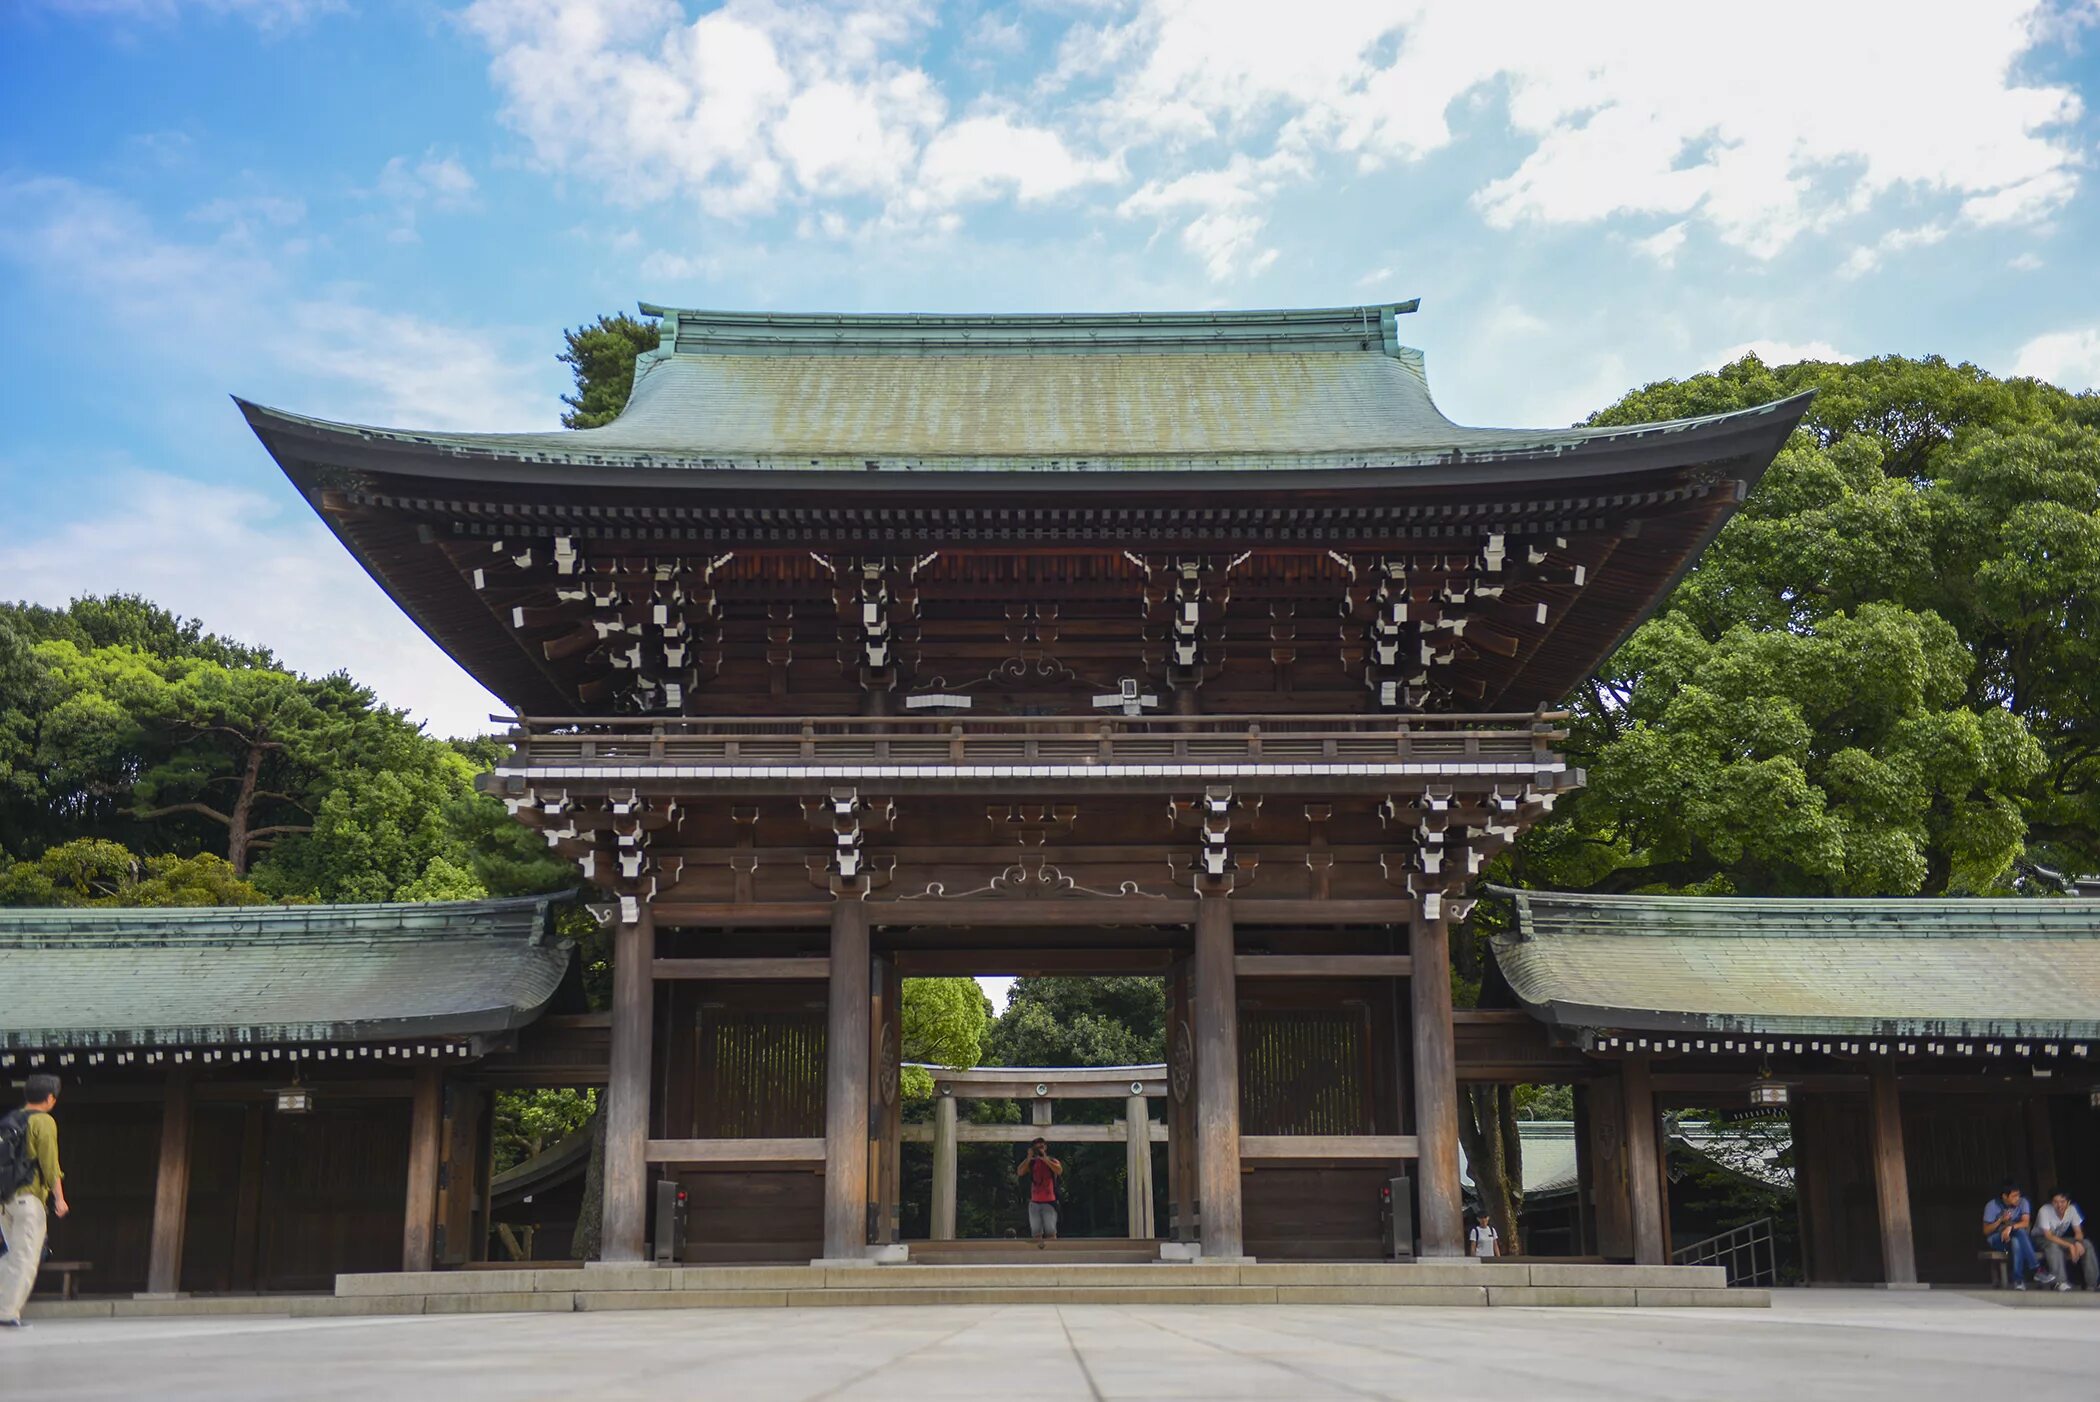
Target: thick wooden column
[
  {"x": 1137, "y": 1166},
  {"x": 1442, "y": 1228},
  {"x": 1643, "y": 1162},
  {"x": 1217, "y": 1029},
  {"x": 426, "y": 1124},
  {"x": 171, "y": 1187},
  {"x": 1181, "y": 1105},
  {"x": 944, "y": 1168},
  {"x": 626, "y": 1175},
  {"x": 846, "y": 1085},
  {"x": 1899, "y": 1255}
]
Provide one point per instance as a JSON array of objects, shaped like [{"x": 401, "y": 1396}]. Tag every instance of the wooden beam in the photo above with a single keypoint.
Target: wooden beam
[
  {"x": 1441, "y": 1230},
  {"x": 626, "y": 1172},
  {"x": 1643, "y": 1163},
  {"x": 735, "y": 1151},
  {"x": 1217, "y": 1036},
  {"x": 740, "y": 969},
  {"x": 1323, "y": 965},
  {"x": 1899, "y": 1255},
  {"x": 846, "y": 1084},
  {"x": 1329, "y": 1146},
  {"x": 419, "y": 1214},
  {"x": 968, "y": 1132},
  {"x": 1066, "y": 912},
  {"x": 944, "y": 1169},
  {"x": 1137, "y": 1168},
  {"x": 171, "y": 1187},
  {"x": 1025, "y": 1090}
]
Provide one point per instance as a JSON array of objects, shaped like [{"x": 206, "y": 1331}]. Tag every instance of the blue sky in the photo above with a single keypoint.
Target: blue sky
[{"x": 387, "y": 212}]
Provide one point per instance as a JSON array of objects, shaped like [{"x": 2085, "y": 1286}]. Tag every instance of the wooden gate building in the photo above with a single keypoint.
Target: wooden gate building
[{"x": 861, "y": 647}]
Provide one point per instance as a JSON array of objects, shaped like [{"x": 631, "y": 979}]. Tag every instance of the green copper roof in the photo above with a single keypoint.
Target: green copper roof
[
  {"x": 251, "y": 975},
  {"x": 1204, "y": 390},
  {"x": 1901, "y": 967}
]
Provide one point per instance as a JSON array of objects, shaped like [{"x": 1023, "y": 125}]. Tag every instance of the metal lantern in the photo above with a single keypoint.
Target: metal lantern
[
  {"x": 295, "y": 1100},
  {"x": 2094, "y": 1099},
  {"x": 1768, "y": 1093}
]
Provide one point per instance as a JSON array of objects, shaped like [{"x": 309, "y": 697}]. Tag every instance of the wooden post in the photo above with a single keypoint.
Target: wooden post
[
  {"x": 1899, "y": 1256},
  {"x": 425, "y": 1126},
  {"x": 846, "y": 1085},
  {"x": 1442, "y": 1230},
  {"x": 944, "y": 1168},
  {"x": 1643, "y": 1162},
  {"x": 625, "y": 1178},
  {"x": 1181, "y": 1105},
  {"x": 1217, "y": 1032},
  {"x": 1137, "y": 1166},
  {"x": 1611, "y": 1215},
  {"x": 460, "y": 1160},
  {"x": 1583, "y": 1239},
  {"x": 171, "y": 1187}
]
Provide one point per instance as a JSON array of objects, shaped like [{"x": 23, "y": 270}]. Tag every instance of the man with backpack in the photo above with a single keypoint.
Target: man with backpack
[{"x": 29, "y": 1179}]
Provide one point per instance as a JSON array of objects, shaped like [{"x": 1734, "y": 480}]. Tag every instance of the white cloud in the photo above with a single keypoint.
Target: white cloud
[
  {"x": 1867, "y": 257},
  {"x": 1216, "y": 107},
  {"x": 1781, "y": 352},
  {"x": 342, "y": 357},
  {"x": 2067, "y": 358},
  {"x": 2024, "y": 262},
  {"x": 431, "y": 181},
  {"x": 207, "y": 315},
  {"x": 253, "y": 567},
  {"x": 1663, "y": 245}
]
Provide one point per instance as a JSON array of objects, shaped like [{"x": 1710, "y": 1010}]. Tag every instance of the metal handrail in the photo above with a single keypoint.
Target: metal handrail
[{"x": 1748, "y": 1253}]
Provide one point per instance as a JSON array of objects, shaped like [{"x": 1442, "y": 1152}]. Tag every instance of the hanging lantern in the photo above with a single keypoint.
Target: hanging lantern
[
  {"x": 1766, "y": 1093},
  {"x": 295, "y": 1100}
]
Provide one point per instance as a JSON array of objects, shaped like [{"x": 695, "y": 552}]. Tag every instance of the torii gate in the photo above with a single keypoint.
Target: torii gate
[{"x": 1042, "y": 1085}]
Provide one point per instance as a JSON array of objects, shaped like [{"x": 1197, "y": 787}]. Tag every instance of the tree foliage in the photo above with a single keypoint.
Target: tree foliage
[
  {"x": 124, "y": 725},
  {"x": 1056, "y": 1021},
  {"x": 943, "y": 1022},
  {"x": 1877, "y": 681},
  {"x": 602, "y": 356}
]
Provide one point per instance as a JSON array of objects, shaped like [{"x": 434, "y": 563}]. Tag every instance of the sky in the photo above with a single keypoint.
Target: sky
[{"x": 388, "y": 213}]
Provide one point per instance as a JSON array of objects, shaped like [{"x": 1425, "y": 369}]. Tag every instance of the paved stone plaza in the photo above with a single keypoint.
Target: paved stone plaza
[{"x": 1810, "y": 1345}]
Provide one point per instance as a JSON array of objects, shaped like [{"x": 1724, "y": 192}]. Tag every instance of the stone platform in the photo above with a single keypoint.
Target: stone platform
[
  {"x": 562, "y": 1290},
  {"x": 714, "y": 1287}
]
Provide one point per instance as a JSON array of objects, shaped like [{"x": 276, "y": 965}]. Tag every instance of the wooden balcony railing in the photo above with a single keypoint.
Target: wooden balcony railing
[{"x": 944, "y": 742}]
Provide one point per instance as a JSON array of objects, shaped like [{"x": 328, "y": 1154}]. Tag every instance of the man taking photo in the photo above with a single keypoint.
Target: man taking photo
[
  {"x": 1042, "y": 1173},
  {"x": 29, "y": 1179}
]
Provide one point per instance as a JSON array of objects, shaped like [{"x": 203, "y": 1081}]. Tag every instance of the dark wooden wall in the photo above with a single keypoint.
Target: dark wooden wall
[
  {"x": 1317, "y": 1056},
  {"x": 745, "y": 1061},
  {"x": 110, "y": 1152}
]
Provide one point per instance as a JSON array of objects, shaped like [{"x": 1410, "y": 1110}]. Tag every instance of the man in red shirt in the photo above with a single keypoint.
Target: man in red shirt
[{"x": 1042, "y": 1173}]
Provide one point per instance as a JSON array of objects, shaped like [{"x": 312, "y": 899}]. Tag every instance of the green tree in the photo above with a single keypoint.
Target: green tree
[
  {"x": 1056, "y": 1021},
  {"x": 943, "y": 1022},
  {"x": 602, "y": 356},
  {"x": 93, "y": 871},
  {"x": 528, "y": 1122}
]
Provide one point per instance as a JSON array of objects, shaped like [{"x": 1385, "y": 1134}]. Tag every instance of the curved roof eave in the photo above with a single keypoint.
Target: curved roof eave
[{"x": 552, "y": 457}]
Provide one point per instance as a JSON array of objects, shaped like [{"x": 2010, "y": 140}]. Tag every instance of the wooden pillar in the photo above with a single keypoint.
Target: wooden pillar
[
  {"x": 1442, "y": 1229},
  {"x": 171, "y": 1187},
  {"x": 1582, "y": 1239},
  {"x": 626, "y": 1173},
  {"x": 1137, "y": 1166},
  {"x": 1899, "y": 1255},
  {"x": 1181, "y": 1105},
  {"x": 1643, "y": 1162},
  {"x": 885, "y": 1105},
  {"x": 846, "y": 1085},
  {"x": 944, "y": 1168},
  {"x": 426, "y": 1125},
  {"x": 1217, "y": 1029},
  {"x": 463, "y": 1152}
]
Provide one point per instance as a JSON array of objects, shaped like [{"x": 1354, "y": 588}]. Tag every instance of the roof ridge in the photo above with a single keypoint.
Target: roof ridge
[{"x": 1368, "y": 327}]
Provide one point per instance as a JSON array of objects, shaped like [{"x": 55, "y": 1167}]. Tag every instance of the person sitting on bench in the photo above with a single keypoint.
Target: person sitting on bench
[
  {"x": 2060, "y": 1228},
  {"x": 2006, "y": 1219}
]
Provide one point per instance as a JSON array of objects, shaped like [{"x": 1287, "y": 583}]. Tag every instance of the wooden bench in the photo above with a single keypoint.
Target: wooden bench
[
  {"x": 65, "y": 1271},
  {"x": 2001, "y": 1267}
]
